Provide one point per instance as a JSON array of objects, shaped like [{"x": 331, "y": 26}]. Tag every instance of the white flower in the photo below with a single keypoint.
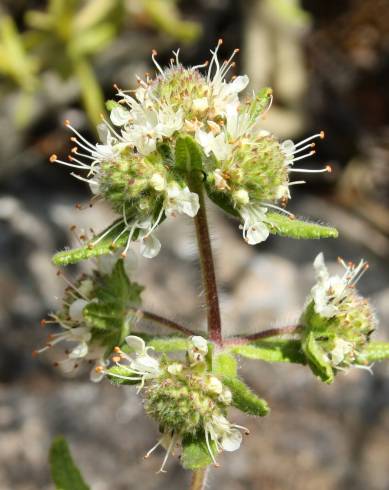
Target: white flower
[
  {"x": 158, "y": 182},
  {"x": 254, "y": 228},
  {"x": 142, "y": 366},
  {"x": 76, "y": 308},
  {"x": 120, "y": 115},
  {"x": 200, "y": 105},
  {"x": 197, "y": 349},
  {"x": 214, "y": 386},
  {"x": 220, "y": 181},
  {"x": 340, "y": 351},
  {"x": 226, "y": 436},
  {"x": 181, "y": 200},
  {"x": 150, "y": 246},
  {"x": 330, "y": 291},
  {"x": 241, "y": 197},
  {"x": 218, "y": 144}
]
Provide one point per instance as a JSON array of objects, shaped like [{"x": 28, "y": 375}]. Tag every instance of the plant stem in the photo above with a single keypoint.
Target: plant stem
[
  {"x": 271, "y": 332},
  {"x": 207, "y": 266},
  {"x": 199, "y": 479},
  {"x": 165, "y": 322}
]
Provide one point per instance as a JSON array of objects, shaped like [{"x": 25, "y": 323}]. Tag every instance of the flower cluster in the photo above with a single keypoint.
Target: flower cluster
[
  {"x": 133, "y": 167},
  {"x": 337, "y": 319},
  {"x": 183, "y": 397},
  {"x": 91, "y": 341}
]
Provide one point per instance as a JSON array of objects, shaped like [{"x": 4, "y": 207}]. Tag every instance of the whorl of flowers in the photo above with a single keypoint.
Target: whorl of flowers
[
  {"x": 85, "y": 340},
  {"x": 133, "y": 167},
  {"x": 336, "y": 317},
  {"x": 183, "y": 397}
]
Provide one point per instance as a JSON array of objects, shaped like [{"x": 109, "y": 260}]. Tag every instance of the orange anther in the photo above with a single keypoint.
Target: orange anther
[{"x": 53, "y": 158}]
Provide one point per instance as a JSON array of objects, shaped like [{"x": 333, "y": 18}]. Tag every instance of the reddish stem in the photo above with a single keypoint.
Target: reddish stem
[
  {"x": 271, "y": 332},
  {"x": 165, "y": 322}
]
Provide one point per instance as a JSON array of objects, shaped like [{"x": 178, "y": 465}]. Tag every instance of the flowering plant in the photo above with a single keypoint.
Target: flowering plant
[{"x": 180, "y": 136}]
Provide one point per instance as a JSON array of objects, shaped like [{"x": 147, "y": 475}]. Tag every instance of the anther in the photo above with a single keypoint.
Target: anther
[
  {"x": 43, "y": 322},
  {"x": 98, "y": 369},
  {"x": 322, "y": 135},
  {"x": 116, "y": 358},
  {"x": 53, "y": 158},
  {"x": 117, "y": 349},
  {"x": 329, "y": 168},
  {"x": 67, "y": 122}
]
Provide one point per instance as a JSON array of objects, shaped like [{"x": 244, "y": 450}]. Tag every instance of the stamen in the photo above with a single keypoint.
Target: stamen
[
  {"x": 147, "y": 455},
  {"x": 153, "y": 57},
  {"x": 320, "y": 135},
  {"x": 311, "y": 171},
  {"x": 68, "y": 125},
  {"x": 169, "y": 449},
  {"x": 304, "y": 156},
  {"x": 291, "y": 215},
  {"x": 101, "y": 237}
]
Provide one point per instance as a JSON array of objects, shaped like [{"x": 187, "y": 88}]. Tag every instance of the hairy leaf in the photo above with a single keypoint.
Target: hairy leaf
[
  {"x": 188, "y": 155},
  {"x": 272, "y": 350},
  {"x": 93, "y": 249},
  {"x": 294, "y": 228},
  {"x": 195, "y": 454},
  {"x": 168, "y": 344},
  {"x": 64, "y": 472},
  {"x": 374, "y": 351},
  {"x": 224, "y": 364},
  {"x": 244, "y": 398}
]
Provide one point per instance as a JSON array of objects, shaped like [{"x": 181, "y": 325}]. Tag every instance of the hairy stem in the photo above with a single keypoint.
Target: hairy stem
[
  {"x": 265, "y": 334},
  {"x": 207, "y": 266},
  {"x": 199, "y": 479},
  {"x": 164, "y": 322}
]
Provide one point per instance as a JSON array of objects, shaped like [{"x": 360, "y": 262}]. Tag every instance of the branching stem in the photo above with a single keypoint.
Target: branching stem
[
  {"x": 164, "y": 322},
  {"x": 265, "y": 334}
]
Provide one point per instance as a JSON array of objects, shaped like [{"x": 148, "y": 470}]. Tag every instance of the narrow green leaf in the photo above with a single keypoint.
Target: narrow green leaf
[
  {"x": 225, "y": 364},
  {"x": 317, "y": 359},
  {"x": 294, "y": 228},
  {"x": 64, "y": 472},
  {"x": 103, "y": 247},
  {"x": 188, "y": 156},
  {"x": 195, "y": 454},
  {"x": 374, "y": 351},
  {"x": 272, "y": 350},
  {"x": 244, "y": 398}
]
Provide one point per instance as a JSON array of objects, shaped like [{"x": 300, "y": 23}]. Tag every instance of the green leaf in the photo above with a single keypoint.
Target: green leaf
[
  {"x": 374, "y": 351},
  {"x": 168, "y": 344},
  {"x": 244, "y": 398},
  {"x": 116, "y": 300},
  {"x": 92, "y": 249},
  {"x": 195, "y": 454},
  {"x": 117, "y": 375},
  {"x": 225, "y": 364},
  {"x": 294, "y": 228},
  {"x": 317, "y": 359},
  {"x": 188, "y": 157},
  {"x": 64, "y": 472},
  {"x": 272, "y": 350}
]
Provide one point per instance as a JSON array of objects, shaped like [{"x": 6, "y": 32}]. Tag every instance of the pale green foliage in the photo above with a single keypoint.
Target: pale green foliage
[{"x": 64, "y": 472}]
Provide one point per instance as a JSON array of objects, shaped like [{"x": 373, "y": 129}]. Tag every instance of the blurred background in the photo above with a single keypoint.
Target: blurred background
[{"x": 328, "y": 63}]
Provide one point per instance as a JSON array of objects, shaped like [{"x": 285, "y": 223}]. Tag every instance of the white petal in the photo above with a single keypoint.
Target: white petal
[
  {"x": 257, "y": 233},
  {"x": 145, "y": 363},
  {"x": 130, "y": 263},
  {"x": 232, "y": 440},
  {"x": 119, "y": 116},
  {"x": 81, "y": 350},
  {"x": 150, "y": 246},
  {"x": 239, "y": 84},
  {"x": 76, "y": 308},
  {"x": 199, "y": 343},
  {"x": 136, "y": 343}
]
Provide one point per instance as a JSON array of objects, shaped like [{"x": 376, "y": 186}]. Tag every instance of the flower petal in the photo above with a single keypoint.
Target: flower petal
[{"x": 136, "y": 343}]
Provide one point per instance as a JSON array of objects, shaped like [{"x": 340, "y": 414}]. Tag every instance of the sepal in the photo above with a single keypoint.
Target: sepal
[
  {"x": 188, "y": 156},
  {"x": 374, "y": 351},
  {"x": 272, "y": 350},
  {"x": 118, "y": 375},
  {"x": 317, "y": 359}
]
